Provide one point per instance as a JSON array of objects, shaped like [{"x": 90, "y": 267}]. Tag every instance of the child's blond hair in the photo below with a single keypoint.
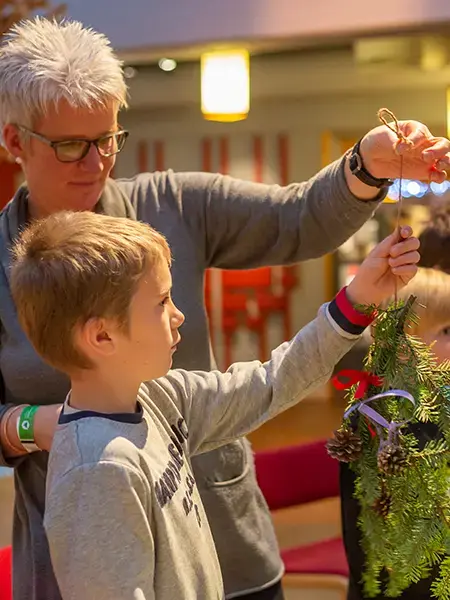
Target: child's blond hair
[
  {"x": 432, "y": 289},
  {"x": 74, "y": 266}
]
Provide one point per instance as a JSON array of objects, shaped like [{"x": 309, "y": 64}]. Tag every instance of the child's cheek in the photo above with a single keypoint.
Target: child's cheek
[{"x": 442, "y": 349}]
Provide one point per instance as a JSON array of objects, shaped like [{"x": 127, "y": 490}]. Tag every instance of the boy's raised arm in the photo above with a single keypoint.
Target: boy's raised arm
[{"x": 219, "y": 407}]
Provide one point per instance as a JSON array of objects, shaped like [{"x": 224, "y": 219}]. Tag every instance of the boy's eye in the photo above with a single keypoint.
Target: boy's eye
[
  {"x": 446, "y": 330},
  {"x": 165, "y": 301}
]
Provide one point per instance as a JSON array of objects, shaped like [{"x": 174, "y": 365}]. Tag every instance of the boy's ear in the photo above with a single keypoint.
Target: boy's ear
[{"x": 96, "y": 338}]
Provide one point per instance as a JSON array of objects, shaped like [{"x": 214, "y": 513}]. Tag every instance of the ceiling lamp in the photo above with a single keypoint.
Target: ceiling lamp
[
  {"x": 167, "y": 64},
  {"x": 225, "y": 85}
]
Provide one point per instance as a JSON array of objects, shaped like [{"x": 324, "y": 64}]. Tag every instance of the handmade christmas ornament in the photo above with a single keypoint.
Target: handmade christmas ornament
[
  {"x": 382, "y": 504},
  {"x": 392, "y": 459},
  {"x": 402, "y": 487},
  {"x": 402, "y": 484},
  {"x": 345, "y": 446}
]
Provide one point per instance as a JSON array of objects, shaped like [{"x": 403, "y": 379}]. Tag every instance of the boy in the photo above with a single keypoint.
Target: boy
[{"x": 123, "y": 517}]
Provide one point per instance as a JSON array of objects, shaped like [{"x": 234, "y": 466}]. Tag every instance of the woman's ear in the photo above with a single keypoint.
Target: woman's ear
[{"x": 13, "y": 142}]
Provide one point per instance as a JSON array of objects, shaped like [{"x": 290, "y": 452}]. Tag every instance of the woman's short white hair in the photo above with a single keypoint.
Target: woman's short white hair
[{"x": 44, "y": 61}]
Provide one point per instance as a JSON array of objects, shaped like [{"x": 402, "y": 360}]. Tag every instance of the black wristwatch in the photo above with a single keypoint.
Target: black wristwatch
[{"x": 359, "y": 170}]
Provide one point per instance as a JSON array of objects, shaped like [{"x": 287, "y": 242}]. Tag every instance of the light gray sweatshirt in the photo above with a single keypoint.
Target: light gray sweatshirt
[
  {"x": 124, "y": 517},
  {"x": 209, "y": 221}
]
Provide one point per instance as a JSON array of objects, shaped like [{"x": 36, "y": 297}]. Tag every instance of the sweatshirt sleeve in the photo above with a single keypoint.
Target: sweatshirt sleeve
[
  {"x": 220, "y": 407},
  {"x": 240, "y": 224},
  {"x": 101, "y": 547}
]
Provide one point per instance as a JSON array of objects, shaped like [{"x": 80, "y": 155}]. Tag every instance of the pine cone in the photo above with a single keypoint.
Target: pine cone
[
  {"x": 392, "y": 459},
  {"x": 382, "y": 505},
  {"x": 345, "y": 446}
]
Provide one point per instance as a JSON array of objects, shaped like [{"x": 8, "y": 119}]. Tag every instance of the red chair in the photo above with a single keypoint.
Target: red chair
[
  {"x": 294, "y": 476},
  {"x": 5, "y": 573},
  {"x": 249, "y": 298}
]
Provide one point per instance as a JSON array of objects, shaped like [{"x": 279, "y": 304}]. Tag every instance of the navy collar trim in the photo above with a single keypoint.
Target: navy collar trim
[{"x": 132, "y": 418}]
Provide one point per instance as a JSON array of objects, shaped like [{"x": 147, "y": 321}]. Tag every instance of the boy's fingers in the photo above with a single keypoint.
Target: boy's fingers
[
  {"x": 404, "y": 247},
  {"x": 383, "y": 249},
  {"x": 406, "y": 232},
  {"x": 406, "y": 272},
  {"x": 408, "y": 258}
]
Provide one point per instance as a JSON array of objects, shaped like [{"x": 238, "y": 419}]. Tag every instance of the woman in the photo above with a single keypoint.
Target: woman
[{"x": 58, "y": 118}]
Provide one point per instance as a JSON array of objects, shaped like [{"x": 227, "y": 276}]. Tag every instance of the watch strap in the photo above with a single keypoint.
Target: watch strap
[{"x": 358, "y": 169}]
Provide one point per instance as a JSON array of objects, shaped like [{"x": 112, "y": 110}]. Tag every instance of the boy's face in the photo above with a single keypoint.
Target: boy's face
[
  {"x": 153, "y": 335},
  {"x": 440, "y": 335}
]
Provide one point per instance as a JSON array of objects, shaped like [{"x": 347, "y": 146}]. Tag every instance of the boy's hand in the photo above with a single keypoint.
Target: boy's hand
[{"x": 394, "y": 260}]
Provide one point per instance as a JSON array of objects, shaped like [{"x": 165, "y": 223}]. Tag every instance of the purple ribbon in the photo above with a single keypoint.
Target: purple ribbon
[{"x": 378, "y": 420}]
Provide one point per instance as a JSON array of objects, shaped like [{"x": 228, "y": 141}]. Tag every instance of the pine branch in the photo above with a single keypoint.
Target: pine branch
[
  {"x": 441, "y": 587},
  {"x": 405, "y": 314},
  {"x": 405, "y": 514}
]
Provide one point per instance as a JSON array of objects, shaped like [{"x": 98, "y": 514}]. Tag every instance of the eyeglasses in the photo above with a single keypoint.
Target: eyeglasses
[{"x": 68, "y": 151}]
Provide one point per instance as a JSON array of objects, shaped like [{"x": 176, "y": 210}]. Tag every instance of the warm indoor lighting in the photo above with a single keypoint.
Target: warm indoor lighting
[
  {"x": 225, "y": 85},
  {"x": 167, "y": 64}
]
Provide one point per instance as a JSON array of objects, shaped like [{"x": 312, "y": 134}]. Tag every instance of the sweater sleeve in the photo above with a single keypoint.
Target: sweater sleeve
[
  {"x": 102, "y": 546},
  {"x": 220, "y": 407},
  {"x": 241, "y": 225}
]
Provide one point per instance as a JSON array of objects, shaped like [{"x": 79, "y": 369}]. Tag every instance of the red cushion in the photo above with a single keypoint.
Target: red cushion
[
  {"x": 325, "y": 558},
  {"x": 5, "y": 574},
  {"x": 297, "y": 474}
]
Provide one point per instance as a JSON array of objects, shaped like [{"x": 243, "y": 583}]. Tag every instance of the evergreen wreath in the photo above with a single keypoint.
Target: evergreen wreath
[{"x": 403, "y": 489}]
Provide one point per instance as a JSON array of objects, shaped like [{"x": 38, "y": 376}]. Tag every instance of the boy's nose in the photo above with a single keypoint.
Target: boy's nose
[{"x": 180, "y": 317}]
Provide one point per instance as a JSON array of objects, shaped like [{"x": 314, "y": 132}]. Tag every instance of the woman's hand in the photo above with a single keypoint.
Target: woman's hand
[{"x": 425, "y": 156}]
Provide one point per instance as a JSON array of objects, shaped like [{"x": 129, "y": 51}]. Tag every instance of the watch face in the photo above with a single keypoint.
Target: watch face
[{"x": 357, "y": 161}]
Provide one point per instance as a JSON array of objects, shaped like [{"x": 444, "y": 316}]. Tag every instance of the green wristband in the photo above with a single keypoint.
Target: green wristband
[{"x": 25, "y": 424}]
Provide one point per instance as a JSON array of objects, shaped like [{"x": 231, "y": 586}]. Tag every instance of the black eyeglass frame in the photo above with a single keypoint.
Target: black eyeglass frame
[{"x": 88, "y": 143}]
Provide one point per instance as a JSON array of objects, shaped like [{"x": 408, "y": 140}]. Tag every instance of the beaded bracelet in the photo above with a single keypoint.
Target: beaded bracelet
[{"x": 6, "y": 442}]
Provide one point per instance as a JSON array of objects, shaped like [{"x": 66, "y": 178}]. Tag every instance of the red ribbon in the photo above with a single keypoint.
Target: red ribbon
[
  {"x": 363, "y": 378},
  {"x": 372, "y": 431}
]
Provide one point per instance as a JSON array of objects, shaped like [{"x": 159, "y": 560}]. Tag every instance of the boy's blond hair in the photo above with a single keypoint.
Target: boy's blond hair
[
  {"x": 74, "y": 266},
  {"x": 432, "y": 289}
]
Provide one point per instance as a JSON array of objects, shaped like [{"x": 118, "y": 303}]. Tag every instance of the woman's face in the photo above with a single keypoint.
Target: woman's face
[{"x": 54, "y": 185}]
